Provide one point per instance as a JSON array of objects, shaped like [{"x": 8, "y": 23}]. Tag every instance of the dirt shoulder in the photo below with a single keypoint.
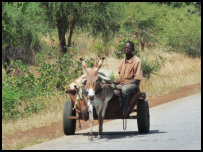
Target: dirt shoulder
[
  {"x": 181, "y": 92},
  {"x": 30, "y": 137}
]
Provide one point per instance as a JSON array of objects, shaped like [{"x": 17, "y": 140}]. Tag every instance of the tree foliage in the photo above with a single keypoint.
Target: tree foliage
[
  {"x": 143, "y": 20},
  {"x": 175, "y": 25},
  {"x": 182, "y": 32},
  {"x": 20, "y": 31},
  {"x": 19, "y": 23}
]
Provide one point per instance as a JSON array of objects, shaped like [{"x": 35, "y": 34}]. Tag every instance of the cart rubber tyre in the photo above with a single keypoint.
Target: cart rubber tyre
[
  {"x": 143, "y": 121},
  {"x": 68, "y": 124}
]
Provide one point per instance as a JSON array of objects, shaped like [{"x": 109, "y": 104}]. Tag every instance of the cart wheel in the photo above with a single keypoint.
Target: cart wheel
[
  {"x": 68, "y": 124},
  {"x": 143, "y": 121}
]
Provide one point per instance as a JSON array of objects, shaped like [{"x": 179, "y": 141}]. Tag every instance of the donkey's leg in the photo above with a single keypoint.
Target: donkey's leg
[
  {"x": 91, "y": 118},
  {"x": 91, "y": 121},
  {"x": 101, "y": 119},
  {"x": 100, "y": 125}
]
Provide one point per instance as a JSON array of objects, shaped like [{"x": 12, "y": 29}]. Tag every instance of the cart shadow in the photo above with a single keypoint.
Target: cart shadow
[{"x": 122, "y": 134}]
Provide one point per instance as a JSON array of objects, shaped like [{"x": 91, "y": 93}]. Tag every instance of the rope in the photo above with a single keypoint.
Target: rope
[
  {"x": 79, "y": 117},
  {"x": 79, "y": 122}
]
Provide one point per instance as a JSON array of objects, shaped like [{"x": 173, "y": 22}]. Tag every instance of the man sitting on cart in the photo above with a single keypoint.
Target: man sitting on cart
[{"x": 130, "y": 74}]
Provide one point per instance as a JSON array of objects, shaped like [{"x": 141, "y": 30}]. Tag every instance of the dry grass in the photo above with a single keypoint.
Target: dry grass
[
  {"x": 32, "y": 140},
  {"x": 177, "y": 71},
  {"x": 112, "y": 64},
  {"x": 84, "y": 46},
  {"x": 52, "y": 113}
]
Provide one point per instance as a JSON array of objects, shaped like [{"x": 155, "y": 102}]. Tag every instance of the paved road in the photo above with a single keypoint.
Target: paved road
[{"x": 174, "y": 126}]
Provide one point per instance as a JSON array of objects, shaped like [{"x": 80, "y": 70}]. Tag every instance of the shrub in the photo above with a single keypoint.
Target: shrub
[
  {"x": 10, "y": 99},
  {"x": 19, "y": 90},
  {"x": 149, "y": 67}
]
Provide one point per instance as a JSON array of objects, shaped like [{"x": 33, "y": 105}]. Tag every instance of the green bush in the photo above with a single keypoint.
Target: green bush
[
  {"x": 10, "y": 100},
  {"x": 18, "y": 91},
  {"x": 32, "y": 108},
  {"x": 149, "y": 67}
]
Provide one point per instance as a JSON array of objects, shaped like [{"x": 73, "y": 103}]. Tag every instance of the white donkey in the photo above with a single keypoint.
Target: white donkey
[{"x": 98, "y": 95}]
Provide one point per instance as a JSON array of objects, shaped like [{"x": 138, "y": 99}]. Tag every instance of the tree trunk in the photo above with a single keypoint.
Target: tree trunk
[
  {"x": 6, "y": 65},
  {"x": 62, "y": 40},
  {"x": 71, "y": 33},
  {"x": 142, "y": 44}
]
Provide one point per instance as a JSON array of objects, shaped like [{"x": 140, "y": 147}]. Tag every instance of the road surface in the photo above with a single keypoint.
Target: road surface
[{"x": 173, "y": 126}]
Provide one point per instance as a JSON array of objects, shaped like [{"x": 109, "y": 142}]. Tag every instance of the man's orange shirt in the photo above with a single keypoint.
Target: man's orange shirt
[{"x": 130, "y": 69}]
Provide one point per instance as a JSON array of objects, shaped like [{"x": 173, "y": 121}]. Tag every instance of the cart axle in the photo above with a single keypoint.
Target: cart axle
[{"x": 77, "y": 118}]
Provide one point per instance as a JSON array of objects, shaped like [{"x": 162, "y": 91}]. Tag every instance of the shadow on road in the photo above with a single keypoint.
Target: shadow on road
[{"x": 117, "y": 135}]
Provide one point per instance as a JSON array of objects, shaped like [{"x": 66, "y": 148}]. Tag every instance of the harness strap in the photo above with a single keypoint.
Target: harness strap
[
  {"x": 98, "y": 91},
  {"x": 77, "y": 92},
  {"x": 84, "y": 91}
]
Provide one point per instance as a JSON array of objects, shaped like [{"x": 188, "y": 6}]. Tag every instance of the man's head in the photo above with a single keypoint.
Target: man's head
[{"x": 129, "y": 48}]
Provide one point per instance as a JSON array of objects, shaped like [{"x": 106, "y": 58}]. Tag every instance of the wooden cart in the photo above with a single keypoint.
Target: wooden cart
[{"x": 138, "y": 108}]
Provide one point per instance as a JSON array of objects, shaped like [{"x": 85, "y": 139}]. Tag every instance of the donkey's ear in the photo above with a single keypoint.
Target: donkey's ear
[
  {"x": 100, "y": 63},
  {"x": 95, "y": 62},
  {"x": 84, "y": 65}
]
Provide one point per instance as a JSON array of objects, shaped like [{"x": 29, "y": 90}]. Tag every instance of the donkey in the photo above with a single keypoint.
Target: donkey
[{"x": 98, "y": 95}]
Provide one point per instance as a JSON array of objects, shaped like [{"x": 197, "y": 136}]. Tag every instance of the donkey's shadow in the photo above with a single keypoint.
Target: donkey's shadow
[{"x": 122, "y": 134}]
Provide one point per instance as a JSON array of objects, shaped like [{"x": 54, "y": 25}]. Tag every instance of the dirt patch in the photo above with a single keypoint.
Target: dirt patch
[{"x": 56, "y": 129}]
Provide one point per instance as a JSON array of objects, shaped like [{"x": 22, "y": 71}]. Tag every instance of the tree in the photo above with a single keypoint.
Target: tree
[
  {"x": 19, "y": 21},
  {"x": 19, "y": 31},
  {"x": 100, "y": 17},
  {"x": 143, "y": 20},
  {"x": 182, "y": 31},
  {"x": 104, "y": 19}
]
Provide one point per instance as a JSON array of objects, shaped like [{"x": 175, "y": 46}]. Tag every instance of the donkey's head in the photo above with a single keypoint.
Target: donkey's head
[{"x": 92, "y": 79}]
